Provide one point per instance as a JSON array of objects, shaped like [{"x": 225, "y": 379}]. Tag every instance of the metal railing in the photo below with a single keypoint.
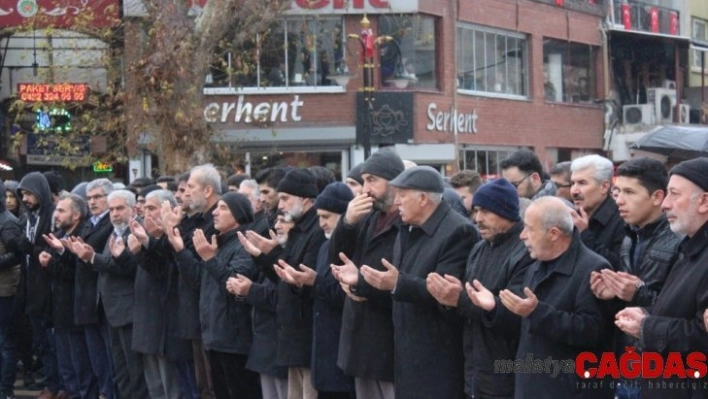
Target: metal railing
[{"x": 644, "y": 17}]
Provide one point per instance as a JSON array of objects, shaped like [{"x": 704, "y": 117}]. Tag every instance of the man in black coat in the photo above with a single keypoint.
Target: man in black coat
[
  {"x": 596, "y": 216},
  {"x": 72, "y": 353},
  {"x": 116, "y": 280},
  {"x": 366, "y": 235},
  {"x": 649, "y": 250},
  {"x": 428, "y": 357},
  {"x": 499, "y": 261},
  {"x": 560, "y": 315},
  {"x": 36, "y": 291},
  {"x": 296, "y": 193},
  {"x": 674, "y": 323}
]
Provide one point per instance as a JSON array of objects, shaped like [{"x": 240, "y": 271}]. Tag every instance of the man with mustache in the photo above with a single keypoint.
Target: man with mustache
[
  {"x": 596, "y": 215},
  {"x": 499, "y": 261}
]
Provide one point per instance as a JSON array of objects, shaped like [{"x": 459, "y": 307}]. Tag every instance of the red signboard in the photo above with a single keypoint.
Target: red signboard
[
  {"x": 59, "y": 13},
  {"x": 69, "y": 92}
]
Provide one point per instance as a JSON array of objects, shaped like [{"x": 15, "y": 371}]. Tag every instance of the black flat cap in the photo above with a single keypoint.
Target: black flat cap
[{"x": 422, "y": 178}]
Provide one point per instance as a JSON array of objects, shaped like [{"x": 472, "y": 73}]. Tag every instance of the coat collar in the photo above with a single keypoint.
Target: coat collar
[
  {"x": 431, "y": 225},
  {"x": 564, "y": 264},
  {"x": 693, "y": 246},
  {"x": 501, "y": 238},
  {"x": 606, "y": 211}
]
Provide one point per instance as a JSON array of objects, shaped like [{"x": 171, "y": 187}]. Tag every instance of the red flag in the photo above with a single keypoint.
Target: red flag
[
  {"x": 626, "y": 16},
  {"x": 654, "y": 19}
]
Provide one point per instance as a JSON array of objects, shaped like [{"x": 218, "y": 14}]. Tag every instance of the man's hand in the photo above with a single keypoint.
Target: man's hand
[
  {"x": 517, "y": 305},
  {"x": 239, "y": 285},
  {"x": 53, "y": 242},
  {"x": 204, "y": 249},
  {"x": 358, "y": 207},
  {"x": 629, "y": 320},
  {"x": 263, "y": 244},
  {"x": 304, "y": 276},
  {"x": 79, "y": 248},
  {"x": 44, "y": 258},
  {"x": 171, "y": 217},
  {"x": 248, "y": 245},
  {"x": 480, "y": 296},
  {"x": 175, "y": 238},
  {"x": 154, "y": 227},
  {"x": 116, "y": 245},
  {"x": 623, "y": 285},
  {"x": 599, "y": 288},
  {"x": 347, "y": 273},
  {"x": 446, "y": 290},
  {"x": 134, "y": 245},
  {"x": 384, "y": 281},
  {"x": 137, "y": 230},
  {"x": 580, "y": 218}
]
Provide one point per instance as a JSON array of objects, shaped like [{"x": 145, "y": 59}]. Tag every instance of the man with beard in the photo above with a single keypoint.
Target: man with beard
[
  {"x": 673, "y": 325},
  {"x": 329, "y": 380},
  {"x": 296, "y": 193},
  {"x": 596, "y": 215},
  {"x": 366, "y": 234},
  {"x": 524, "y": 171},
  {"x": 260, "y": 224},
  {"x": 36, "y": 196},
  {"x": 499, "y": 261},
  {"x": 116, "y": 279},
  {"x": 268, "y": 180},
  {"x": 428, "y": 353},
  {"x": 72, "y": 353}
]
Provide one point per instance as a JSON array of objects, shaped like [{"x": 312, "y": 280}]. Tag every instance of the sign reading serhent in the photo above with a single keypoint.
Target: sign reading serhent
[
  {"x": 246, "y": 111},
  {"x": 353, "y": 6},
  {"x": 452, "y": 121}
]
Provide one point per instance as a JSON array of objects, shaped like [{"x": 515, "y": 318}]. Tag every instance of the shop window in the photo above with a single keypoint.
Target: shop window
[
  {"x": 568, "y": 71},
  {"x": 292, "y": 53},
  {"x": 699, "y": 33},
  {"x": 485, "y": 161},
  {"x": 491, "y": 62},
  {"x": 415, "y": 38}
]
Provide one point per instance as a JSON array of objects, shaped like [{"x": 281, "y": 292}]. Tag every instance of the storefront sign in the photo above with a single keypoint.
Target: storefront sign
[
  {"x": 59, "y": 13},
  {"x": 249, "y": 112},
  {"x": 452, "y": 121},
  {"x": 70, "y": 92},
  {"x": 388, "y": 121},
  {"x": 353, "y": 6}
]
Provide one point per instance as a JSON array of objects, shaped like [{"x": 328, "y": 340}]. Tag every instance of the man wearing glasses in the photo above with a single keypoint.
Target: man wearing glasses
[
  {"x": 560, "y": 176},
  {"x": 524, "y": 171}
]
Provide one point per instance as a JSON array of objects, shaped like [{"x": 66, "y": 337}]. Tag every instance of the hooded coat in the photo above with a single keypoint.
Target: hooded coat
[
  {"x": 9, "y": 257},
  {"x": 36, "y": 288}
]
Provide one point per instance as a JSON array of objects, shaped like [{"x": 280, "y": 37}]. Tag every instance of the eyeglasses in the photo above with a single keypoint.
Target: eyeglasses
[
  {"x": 562, "y": 185},
  {"x": 95, "y": 197},
  {"x": 518, "y": 183}
]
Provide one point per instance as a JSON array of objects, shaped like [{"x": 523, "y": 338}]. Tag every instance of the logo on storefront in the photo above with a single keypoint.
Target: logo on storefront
[
  {"x": 452, "y": 121},
  {"x": 648, "y": 365},
  {"x": 27, "y": 8}
]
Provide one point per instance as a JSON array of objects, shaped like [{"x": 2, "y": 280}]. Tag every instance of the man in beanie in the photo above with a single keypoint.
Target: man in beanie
[
  {"x": 366, "y": 234},
  {"x": 428, "y": 356},
  {"x": 226, "y": 323},
  {"x": 328, "y": 379},
  {"x": 354, "y": 180},
  {"x": 499, "y": 261},
  {"x": 56, "y": 184},
  {"x": 296, "y": 198},
  {"x": 674, "y": 323}
]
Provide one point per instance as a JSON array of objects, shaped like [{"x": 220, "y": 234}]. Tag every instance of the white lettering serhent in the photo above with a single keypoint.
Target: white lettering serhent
[
  {"x": 451, "y": 121},
  {"x": 245, "y": 110}
]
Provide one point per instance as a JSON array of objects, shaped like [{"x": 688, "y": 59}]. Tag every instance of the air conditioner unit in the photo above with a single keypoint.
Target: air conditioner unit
[
  {"x": 685, "y": 116},
  {"x": 664, "y": 102},
  {"x": 669, "y": 84},
  {"x": 638, "y": 114}
]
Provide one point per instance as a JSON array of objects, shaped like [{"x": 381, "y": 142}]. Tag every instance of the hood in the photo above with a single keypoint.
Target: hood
[
  {"x": 2, "y": 197},
  {"x": 37, "y": 184}
]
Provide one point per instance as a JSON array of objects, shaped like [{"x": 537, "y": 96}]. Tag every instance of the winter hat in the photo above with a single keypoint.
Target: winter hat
[
  {"x": 56, "y": 182},
  {"x": 334, "y": 198},
  {"x": 383, "y": 163},
  {"x": 300, "y": 183},
  {"x": 422, "y": 178},
  {"x": 239, "y": 206},
  {"x": 500, "y": 197},
  {"x": 695, "y": 170},
  {"x": 148, "y": 189},
  {"x": 355, "y": 173}
]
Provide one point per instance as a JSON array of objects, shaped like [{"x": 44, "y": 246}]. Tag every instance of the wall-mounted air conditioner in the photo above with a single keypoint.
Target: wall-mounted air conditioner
[
  {"x": 685, "y": 116},
  {"x": 664, "y": 101},
  {"x": 638, "y": 114}
]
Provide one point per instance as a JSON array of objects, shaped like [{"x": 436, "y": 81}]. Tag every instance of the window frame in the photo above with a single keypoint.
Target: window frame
[
  {"x": 524, "y": 72},
  {"x": 592, "y": 67},
  {"x": 696, "y": 54}
]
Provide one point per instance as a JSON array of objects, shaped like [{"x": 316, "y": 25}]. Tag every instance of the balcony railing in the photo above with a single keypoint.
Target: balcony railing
[{"x": 644, "y": 17}]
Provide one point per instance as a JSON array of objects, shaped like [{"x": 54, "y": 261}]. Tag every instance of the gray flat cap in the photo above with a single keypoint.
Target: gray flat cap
[{"x": 422, "y": 178}]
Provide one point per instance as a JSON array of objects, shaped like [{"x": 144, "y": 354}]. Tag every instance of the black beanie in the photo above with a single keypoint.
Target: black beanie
[
  {"x": 355, "y": 173},
  {"x": 239, "y": 206},
  {"x": 383, "y": 163},
  {"x": 148, "y": 189},
  {"x": 695, "y": 170},
  {"x": 334, "y": 198},
  {"x": 300, "y": 183},
  {"x": 56, "y": 182},
  {"x": 500, "y": 197}
]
